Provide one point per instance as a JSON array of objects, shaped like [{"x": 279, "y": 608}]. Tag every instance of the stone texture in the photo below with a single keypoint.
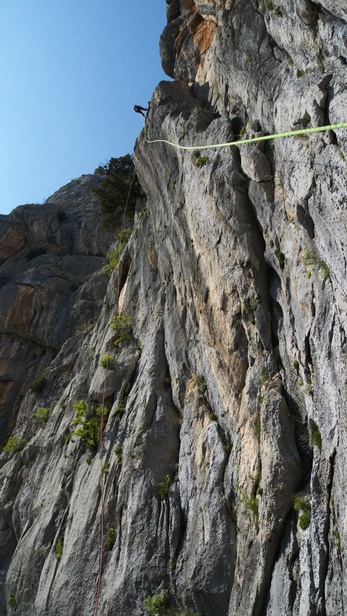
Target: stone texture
[
  {"x": 50, "y": 285},
  {"x": 233, "y": 379}
]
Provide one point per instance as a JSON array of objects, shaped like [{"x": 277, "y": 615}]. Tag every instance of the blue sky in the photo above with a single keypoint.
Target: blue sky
[{"x": 71, "y": 72}]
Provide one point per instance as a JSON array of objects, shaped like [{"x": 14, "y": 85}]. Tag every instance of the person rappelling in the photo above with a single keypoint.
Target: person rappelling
[{"x": 140, "y": 109}]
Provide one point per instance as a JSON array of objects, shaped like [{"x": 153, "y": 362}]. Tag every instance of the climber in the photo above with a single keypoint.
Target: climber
[{"x": 140, "y": 109}]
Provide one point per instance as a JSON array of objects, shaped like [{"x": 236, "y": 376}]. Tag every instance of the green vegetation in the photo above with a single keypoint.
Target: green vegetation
[
  {"x": 302, "y": 505},
  {"x": 302, "y": 136},
  {"x": 38, "y": 385},
  {"x": 227, "y": 444},
  {"x": 256, "y": 423},
  {"x": 15, "y": 444},
  {"x": 113, "y": 256},
  {"x": 156, "y": 604},
  {"x": 121, "y": 407},
  {"x": 313, "y": 258},
  {"x": 270, "y": 7},
  {"x": 243, "y": 130},
  {"x": 110, "y": 539},
  {"x": 265, "y": 375},
  {"x": 296, "y": 365},
  {"x": 201, "y": 383},
  {"x": 106, "y": 468},
  {"x": 159, "y": 605},
  {"x": 315, "y": 439},
  {"x": 12, "y": 601},
  {"x": 122, "y": 326},
  {"x": 212, "y": 416},
  {"x": 338, "y": 540},
  {"x": 59, "y": 548},
  {"x": 118, "y": 451},
  {"x": 199, "y": 160},
  {"x": 281, "y": 259},
  {"x": 88, "y": 422},
  {"x": 304, "y": 520},
  {"x": 248, "y": 311},
  {"x": 119, "y": 187},
  {"x": 108, "y": 362},
  {"x": 42, "y": 414},
  {"x": 163, "y": 487},
  {"x": 139, "y": 439},
  {"x": 251, "y": 504}
]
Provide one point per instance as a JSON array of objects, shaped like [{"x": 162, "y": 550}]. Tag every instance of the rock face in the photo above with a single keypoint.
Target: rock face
[
  {"x": 50, "y": 285},
  {"x": 224, "y": 444}
]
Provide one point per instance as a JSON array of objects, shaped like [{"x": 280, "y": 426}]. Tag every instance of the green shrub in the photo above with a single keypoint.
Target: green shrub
[
  {"x": 312, "y": 257},
  {"x": 156, "y": 604},
  {"x": 201, "y": 383},
  {"x": 338, "y": 540},
  {"x": 163, "y": 487},
  {"x": 59, "y": 548},
  {"x": 122, "y": 326},
  {"x": 12, "y": 601},
  {"x": 315, "y": 436},
  {"x": 281, "y": 259},
  {"x": 88, "y": 422},
  {"x": 110, "y": 539},
  {"x": 38, "y": 385},
  {"x": 121, "y": 408},
  {"x": 248, "y": 311},
  {"x": 301, "y": 503},
  {"x": 119, "y": 186},
  {"x": 251, "y": 503},
  {"x": 42, "y": 414},
  {"x": 113, "y": 256},
  {"x": 106, "y": 468},
  {"x": 15, "y": 444},
  {"x": 198, "y": 159},
  {"x": 265, "y": 375},
  {"x": 243, "y": 130},
  {"x": 118, "y": 451},
  {"x": 304, "y": 520},
  {"x": 159, "y": 605},
  {"x": 108, "y": 362},
  {"x": 256, "y": 421}
]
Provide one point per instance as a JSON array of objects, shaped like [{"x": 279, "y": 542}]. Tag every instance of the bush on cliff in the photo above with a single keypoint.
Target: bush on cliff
[
  {"x": 119, "y": 188},
  {"x": 88, "y": 421}
]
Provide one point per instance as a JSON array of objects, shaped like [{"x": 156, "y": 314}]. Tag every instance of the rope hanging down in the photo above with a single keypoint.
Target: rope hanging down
[
  {"x": 101, "y": 478},
  {"x": 292, "y": 133}
]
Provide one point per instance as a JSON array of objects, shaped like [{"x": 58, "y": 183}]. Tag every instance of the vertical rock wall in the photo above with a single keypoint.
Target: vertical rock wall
[{"x": 224, "y": 449}]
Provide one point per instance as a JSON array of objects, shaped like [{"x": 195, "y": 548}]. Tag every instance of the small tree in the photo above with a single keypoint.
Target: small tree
[
  {"x": 119, "y": 187},
  {"x": 42, "y": 414},
  {"x": 88, "y": 423},
  {"x": 15, "y": 444}
]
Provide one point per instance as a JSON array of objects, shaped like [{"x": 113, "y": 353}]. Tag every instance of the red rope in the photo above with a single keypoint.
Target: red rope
[
  {"x": 101, "y": 479},
  {"x": 102, "y": 499},
  {"x": 121, "y": 231}
]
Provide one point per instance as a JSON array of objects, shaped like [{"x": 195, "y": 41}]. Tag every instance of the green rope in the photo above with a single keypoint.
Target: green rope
[{"x": 291, "y": 133}]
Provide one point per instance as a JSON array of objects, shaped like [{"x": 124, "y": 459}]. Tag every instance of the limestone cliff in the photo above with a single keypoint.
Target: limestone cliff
[
  {"x": 224, "y": 445},
  {"x": 51, "y": 286}
]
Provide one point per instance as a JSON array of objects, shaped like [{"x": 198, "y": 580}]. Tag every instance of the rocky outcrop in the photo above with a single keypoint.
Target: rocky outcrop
[
  {"x": 50, "y": 285},
  {"x": 224, "y": 444}
]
